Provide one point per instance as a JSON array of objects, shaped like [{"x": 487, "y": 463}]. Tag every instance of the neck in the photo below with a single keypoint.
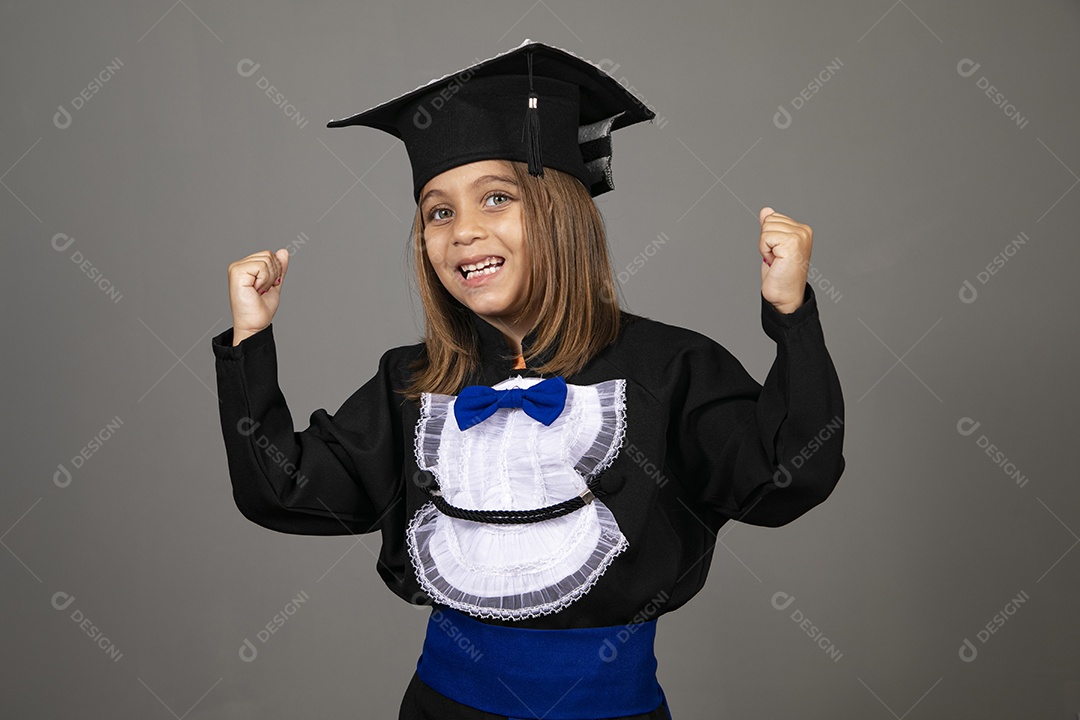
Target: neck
[
  {"x": 512, "y": 330},
  {"x": 499, "y": 341}
]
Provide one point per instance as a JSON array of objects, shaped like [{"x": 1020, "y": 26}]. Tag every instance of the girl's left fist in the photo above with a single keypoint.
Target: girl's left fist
[{"x": 785, "y": 254}]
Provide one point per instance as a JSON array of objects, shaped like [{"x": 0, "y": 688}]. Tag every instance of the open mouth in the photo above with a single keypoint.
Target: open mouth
[{"x": 487, "y": 266}]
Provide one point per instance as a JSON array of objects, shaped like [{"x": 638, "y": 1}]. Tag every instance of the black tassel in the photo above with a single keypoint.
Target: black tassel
[
  {"x": 531, "y": 130},
  {"x": 532, "y": 139}
]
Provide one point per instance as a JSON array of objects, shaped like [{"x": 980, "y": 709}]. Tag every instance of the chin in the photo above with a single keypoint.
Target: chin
[
  {"x": 484, "y": 309},
  {"x": 492, "y": 308}
]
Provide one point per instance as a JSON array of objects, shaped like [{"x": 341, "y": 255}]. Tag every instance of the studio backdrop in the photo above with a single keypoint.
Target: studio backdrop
[{"x": 932, "y": 147}]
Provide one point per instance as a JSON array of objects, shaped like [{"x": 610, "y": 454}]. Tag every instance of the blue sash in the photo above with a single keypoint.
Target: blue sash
[{"x": 597, "y": 672}]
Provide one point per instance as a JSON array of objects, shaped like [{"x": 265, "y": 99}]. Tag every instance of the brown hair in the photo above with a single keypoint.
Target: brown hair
[{"x": 571, "y": 285}]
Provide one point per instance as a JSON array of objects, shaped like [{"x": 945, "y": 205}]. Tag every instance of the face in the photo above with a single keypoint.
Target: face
[{"x": 475, "y": 239}]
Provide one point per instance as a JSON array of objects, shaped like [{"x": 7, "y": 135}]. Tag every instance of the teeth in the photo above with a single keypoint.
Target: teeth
[
  {"x": 482, "y": 263},
  {"x": 484, "y": 267}
]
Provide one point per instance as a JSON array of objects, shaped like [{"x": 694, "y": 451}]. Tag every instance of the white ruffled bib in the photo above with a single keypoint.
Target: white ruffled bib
[{"x": 510, "y": 461}]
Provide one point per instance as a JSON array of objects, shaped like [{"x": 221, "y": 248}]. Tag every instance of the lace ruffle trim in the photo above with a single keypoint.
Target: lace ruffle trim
[
  {"x": 519, "y": 571},
  {"x": 609, "y": 543}
]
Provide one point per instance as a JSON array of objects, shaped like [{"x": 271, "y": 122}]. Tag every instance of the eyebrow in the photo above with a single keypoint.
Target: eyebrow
[{"x": 483, "y": 179}]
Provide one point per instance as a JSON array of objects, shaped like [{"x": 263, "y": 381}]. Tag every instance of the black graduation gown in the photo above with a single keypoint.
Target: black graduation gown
[{"x": 704, "y": 443}]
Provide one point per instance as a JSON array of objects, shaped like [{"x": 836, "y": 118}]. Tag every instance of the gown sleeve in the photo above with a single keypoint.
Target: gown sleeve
[
  {"x": 337, "y": 477},
  {"x": 760, "y": 454}
]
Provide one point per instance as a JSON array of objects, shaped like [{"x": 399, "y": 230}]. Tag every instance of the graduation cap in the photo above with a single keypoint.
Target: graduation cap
[{"x": 536, "y": 103}]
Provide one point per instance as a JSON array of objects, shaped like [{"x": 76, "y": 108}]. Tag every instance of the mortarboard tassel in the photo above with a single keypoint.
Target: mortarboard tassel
[{"x": 531, "y": 129}]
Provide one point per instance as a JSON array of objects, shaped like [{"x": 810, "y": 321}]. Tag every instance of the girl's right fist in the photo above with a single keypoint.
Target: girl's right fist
[{"x": 255, "y": 291}]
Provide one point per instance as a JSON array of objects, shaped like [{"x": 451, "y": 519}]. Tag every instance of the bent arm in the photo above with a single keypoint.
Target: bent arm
[
  {"x": 336, "y": 477},
  {"x": 763, "y": 454}
]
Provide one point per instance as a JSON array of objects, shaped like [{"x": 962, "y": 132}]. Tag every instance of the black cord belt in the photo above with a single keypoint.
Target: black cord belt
[{"x": 515, "y": 517}]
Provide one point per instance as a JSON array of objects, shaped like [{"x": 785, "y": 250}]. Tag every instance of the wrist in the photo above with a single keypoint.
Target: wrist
[
  {"x": 787, "y": 308},
  {"x": 240, "y": 336}
]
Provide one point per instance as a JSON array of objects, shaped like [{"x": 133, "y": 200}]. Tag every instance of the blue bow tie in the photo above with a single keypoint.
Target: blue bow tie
[{"x": 543, "y": 401}]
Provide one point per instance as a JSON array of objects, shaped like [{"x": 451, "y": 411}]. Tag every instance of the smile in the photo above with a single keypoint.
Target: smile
[{"x": 476, "y": 270}]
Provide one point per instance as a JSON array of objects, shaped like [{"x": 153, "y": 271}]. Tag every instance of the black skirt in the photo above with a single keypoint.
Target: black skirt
[{"x": 423, "y": 703}]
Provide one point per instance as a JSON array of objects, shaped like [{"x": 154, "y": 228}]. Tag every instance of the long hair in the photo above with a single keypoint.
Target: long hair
[{"x": 571, "y": 284}]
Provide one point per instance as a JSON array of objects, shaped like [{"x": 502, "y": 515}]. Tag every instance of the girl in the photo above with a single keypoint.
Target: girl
[{"x": 548, "y": 471}]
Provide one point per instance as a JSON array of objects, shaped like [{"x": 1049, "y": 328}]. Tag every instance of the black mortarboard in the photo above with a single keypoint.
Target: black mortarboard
[{"x": 536, "y": 103}]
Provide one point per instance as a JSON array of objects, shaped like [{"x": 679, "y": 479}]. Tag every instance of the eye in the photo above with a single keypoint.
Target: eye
[
  {"x": 499, "y": 195},
  {"x": 434, "y": 214}
]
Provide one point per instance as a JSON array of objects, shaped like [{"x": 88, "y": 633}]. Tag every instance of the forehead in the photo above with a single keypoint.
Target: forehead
[{"x": 463, "y": 176}]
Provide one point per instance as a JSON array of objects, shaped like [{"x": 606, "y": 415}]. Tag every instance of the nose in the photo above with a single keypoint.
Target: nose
[{"x": 469, "y": 225}]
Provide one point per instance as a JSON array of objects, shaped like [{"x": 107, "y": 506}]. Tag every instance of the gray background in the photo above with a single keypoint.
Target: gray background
[{"x": 913, "y": 179}]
